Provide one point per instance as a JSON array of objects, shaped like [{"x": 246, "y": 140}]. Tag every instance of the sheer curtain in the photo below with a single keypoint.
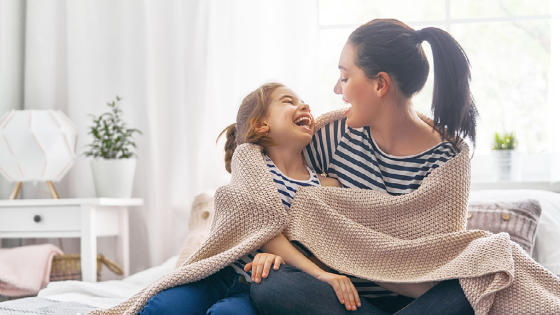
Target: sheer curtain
[
  {"x": 182, "y": 69},
  {"x": 553, "y": 102}
]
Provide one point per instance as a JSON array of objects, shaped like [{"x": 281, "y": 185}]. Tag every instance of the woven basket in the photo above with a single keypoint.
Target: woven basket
[{"x": 68, "y": 267}]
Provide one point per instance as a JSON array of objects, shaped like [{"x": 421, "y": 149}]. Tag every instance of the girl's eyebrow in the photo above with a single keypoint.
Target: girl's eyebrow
[
  {"x": 284, "y": 96},
  {"x": 292, "y": 97}
]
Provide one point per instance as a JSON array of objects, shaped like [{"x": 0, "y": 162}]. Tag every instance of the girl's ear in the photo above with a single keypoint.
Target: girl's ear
[
  {"x": 260, "y": 126},
  {"x": 383, "y": 84}
]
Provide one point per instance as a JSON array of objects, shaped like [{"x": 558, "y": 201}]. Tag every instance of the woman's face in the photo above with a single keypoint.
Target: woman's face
[
  {"x": 289, "y": 119},
  {"x": 357, "y": 89}
]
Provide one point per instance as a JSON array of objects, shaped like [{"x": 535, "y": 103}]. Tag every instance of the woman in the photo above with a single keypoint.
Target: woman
[{"x": 384, "y": 145}]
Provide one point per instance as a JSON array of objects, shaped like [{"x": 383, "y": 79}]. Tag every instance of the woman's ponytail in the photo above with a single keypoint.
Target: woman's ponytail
[
  {"x": 391, "y": 46},
  {"x": 453, "y": 105},
  {"x": 231, "y": 144}
]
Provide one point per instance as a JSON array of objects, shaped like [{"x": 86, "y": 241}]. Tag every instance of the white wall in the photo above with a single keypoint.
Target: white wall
[{"x": 12, "y": 30}]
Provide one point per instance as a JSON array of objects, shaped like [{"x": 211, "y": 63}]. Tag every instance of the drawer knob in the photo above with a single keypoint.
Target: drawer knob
[{"x": 37, "y": 218}]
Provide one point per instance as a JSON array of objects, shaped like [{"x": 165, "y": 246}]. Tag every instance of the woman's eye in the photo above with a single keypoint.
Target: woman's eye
[{"x": 343, "y": 80}]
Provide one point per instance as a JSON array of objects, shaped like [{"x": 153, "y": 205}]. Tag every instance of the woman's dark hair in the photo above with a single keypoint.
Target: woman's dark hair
[
  {"x": 387, "y": 45},
  {"x": 252, "y": 111}
]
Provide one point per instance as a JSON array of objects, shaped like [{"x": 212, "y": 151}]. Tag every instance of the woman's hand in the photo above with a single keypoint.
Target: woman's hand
[
  {"x": 344, "y": 289},
  {"x": 260, "y": 266}
]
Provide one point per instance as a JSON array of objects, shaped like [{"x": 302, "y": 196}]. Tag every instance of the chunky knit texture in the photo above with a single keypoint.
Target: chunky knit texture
[{"x": 412, "y": 238}]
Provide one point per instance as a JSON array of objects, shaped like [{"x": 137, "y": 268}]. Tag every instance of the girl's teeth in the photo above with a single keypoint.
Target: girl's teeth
[{"x": 307, "y": 125}]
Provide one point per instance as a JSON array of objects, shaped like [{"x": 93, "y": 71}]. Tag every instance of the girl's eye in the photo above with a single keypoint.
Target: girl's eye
[{"x": 289, "y": 101}]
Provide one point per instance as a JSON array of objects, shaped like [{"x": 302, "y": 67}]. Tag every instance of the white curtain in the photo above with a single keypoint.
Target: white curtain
[
  {"x": 553, "y": 86},
  {"x": 182, "y": 69},
  {"x": 12, "y": 25}
]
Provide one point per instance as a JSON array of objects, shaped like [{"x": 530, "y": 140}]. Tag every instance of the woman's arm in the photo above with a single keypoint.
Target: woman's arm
[{"x": 328, "y": 182}]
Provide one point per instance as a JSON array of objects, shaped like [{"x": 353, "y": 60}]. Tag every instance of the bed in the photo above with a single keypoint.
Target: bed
[{"x": 75, "y": 297}]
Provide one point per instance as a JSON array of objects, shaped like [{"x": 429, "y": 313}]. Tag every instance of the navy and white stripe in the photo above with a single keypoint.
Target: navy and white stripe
[
  {"x": 354, "y": 158},
  {"x": 357, "y": 162},
  {"x": 287, "y": 188}
]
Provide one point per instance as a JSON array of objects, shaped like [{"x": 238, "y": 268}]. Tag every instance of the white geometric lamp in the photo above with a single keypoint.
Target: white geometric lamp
[{"x": 36, "y": 145}]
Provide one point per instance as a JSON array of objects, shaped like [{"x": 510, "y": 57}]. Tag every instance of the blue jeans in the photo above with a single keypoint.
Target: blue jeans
[
  {"x": 292, "y": 291},
  {"x": 223, "y": 293}
]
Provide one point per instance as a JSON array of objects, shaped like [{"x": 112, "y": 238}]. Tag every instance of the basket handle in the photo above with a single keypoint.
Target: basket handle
[{"x": 113, "y": 266}]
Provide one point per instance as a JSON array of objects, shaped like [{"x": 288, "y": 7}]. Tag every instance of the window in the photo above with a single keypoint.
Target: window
[{"x": 507, "y": 41}]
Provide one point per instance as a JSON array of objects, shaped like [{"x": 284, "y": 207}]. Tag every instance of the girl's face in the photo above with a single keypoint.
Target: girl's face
[
  {"x": 357, "y": 89},
  {"x": 289, "y": 119}
]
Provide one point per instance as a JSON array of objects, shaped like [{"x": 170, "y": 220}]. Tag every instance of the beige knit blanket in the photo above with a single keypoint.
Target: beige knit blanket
[{"x": 417, "y": 237}]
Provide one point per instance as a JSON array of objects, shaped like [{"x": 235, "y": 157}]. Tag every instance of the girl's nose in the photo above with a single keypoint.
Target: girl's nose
[{"x": 305, "y": 108}]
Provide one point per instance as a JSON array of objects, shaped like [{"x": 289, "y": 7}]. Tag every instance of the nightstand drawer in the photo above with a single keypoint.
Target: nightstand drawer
[{"x": 22, "y": 219}]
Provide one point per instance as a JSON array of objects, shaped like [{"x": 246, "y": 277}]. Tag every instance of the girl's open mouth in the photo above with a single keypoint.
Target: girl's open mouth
[{"x": 304, "y": 121}]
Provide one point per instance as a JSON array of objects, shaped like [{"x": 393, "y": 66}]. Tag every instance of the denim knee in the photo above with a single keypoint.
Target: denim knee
[
  {"x": 270, "y": 288},
  {"x": 166, "y": 302},
  {"x": 235, "y": 305}
]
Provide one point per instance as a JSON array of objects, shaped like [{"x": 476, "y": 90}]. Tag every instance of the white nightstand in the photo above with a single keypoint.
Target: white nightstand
[{"x": 83, "y": 218}]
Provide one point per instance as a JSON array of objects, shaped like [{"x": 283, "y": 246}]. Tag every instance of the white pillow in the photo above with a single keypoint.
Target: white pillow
[{"x": 547, "y": 248}]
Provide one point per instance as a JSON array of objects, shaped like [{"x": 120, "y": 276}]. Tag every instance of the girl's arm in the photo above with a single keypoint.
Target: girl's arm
[{"x": 281, "y": 246}]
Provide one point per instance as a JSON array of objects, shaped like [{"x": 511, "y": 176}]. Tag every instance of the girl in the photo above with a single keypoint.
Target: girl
[
  {"x": 383, "y": 145},
  {"x": 274, "y": 117}
]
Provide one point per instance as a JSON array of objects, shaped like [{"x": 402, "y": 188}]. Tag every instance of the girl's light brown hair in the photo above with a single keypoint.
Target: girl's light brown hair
[{"x": 251, "y": 113}]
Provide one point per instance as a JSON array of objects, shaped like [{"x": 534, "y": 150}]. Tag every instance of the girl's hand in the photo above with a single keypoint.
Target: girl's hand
[
  {"x": 344, "y": 289},
  {"x": 260, "y": 266}
]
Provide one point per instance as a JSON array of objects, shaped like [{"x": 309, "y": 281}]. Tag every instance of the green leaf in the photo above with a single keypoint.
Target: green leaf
[
  {"x": 505, "y": 141},
  {"x": 111, "y": 135}
]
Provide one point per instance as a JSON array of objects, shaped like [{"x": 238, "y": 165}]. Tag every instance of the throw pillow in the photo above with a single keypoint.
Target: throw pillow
[
  {"x": 518, "y": 218},
  {"x": 200, "y": 220}
]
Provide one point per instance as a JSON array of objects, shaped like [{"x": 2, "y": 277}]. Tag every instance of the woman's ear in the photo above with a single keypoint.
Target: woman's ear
[
  {"x": 383, "y": 84},
  {"x": 259, "y": 125}
]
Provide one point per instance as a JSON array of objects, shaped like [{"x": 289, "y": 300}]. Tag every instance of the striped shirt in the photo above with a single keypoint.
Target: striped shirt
[
  {"x": 287, "y": 188},
  {"x": 354, "y": 158}
]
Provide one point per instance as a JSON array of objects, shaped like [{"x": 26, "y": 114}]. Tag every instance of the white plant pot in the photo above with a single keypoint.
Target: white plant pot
[
  {"x": 506, "y": 164},
  {"x": 113, "y": 178}
]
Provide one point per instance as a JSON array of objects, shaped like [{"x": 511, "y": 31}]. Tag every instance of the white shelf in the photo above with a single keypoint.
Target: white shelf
[
  {"x": 85, "y": 218},
  {"x": 110, "y": 202}
]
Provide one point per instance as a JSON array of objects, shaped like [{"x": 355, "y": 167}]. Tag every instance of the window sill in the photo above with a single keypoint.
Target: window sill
[{"x": 553, "y": 186}]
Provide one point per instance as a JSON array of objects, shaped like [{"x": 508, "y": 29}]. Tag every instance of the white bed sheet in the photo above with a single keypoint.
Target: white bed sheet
[{"x": 107, "y": 293}]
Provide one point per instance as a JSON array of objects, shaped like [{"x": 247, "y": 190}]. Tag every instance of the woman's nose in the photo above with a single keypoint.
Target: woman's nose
[{"x": 337, "y": 88}]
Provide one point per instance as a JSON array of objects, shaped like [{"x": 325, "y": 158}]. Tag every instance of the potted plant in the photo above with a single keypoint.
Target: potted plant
[
  {"x": 505, "y": 156},
  {"x": 114, "y": 162}
]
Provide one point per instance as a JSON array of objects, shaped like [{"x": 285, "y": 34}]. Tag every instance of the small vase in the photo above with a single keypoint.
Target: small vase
[
  {"x": 113, "y": 178},
  {"x": 506, "y": 166}
]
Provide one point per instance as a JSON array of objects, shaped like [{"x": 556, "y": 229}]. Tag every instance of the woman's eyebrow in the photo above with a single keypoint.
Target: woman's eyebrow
[{"x": 342, "y": 68}]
